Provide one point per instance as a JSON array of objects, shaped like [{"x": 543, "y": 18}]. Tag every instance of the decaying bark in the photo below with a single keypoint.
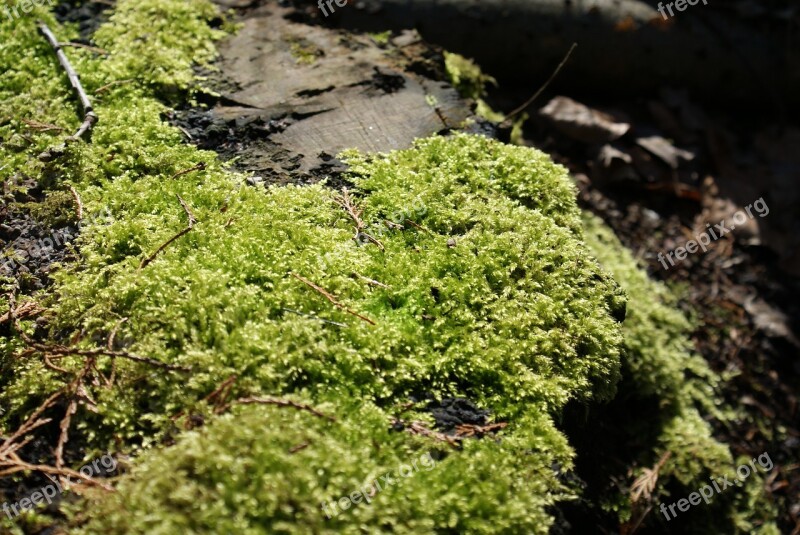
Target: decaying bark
[{"x": 295, "y": 95}]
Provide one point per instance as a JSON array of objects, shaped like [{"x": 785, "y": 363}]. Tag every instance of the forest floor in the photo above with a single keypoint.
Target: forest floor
[{"x": 743, "y": 291}]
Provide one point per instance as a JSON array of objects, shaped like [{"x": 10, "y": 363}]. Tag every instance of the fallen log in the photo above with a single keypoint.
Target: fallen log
[{"x": 624, "y": 46}]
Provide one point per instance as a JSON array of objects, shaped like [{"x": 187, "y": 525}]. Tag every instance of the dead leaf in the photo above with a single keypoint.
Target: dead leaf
[
  {"x": 582, "y": 123},
  {"x": 664, "y": 150}
]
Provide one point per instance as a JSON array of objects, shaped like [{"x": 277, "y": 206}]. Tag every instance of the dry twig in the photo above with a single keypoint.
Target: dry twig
[
  {"x": 462, "y": 431},
  {"x": 28, "y": 309},
  {"x": 90, "y": 48},
  {"x": 78, "y": 203},
  {"x": 471, "y": 430},
  {"x": 41, "y": 127},
  {"x": 418, "y": 428},
  {"x": 541, "y": 89},
  {"x": 323, "y": 320},
  {"x": 285, "y": 403},
  {"x": 371, "y": 282},
  {"x": 301, "y": 446},
  {"x": 109, "y": 85},
  {"x": 417, "y": 226},
  {"x": 197, "y": 167},
  {"x": 89, "y": 116},
  {"x": 327, "y": 295},
  {"x": 188, "y": 228}
]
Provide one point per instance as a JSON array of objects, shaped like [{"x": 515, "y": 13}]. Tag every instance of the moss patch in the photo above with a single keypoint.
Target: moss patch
[{"x": 486, "y": 290}]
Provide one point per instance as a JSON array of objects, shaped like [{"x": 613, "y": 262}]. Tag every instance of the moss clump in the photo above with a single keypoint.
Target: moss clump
[
  {"x": 304, "y": 51},
  {"x": 270, "y": 470},
  {"x": 661, "y": 370},
  {"x": 493, "y": 318},
  {"x": 488, "y": 291}
]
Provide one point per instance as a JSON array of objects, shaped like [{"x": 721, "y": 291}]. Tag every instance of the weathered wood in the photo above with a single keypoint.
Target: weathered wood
[{"x": 327, "y": 90}]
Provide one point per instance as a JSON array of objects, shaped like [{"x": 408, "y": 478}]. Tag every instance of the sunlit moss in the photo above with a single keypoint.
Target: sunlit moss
[{"x": 487, "y": 291}]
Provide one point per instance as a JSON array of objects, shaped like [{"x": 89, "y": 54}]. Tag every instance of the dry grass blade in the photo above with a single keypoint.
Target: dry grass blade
[
  {"x": 285, "y": 403},
  {"x": 327, "y": 295},
  {"x": 189, "y": 227}
]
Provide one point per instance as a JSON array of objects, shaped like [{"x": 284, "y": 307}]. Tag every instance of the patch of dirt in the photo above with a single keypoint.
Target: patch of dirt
[{"x": 31, "y": 247}]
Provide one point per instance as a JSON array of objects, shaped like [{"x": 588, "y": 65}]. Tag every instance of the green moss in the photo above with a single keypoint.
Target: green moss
[
  {"x": 244, "y": 473},
  {"x": 304, "y": 52},
  {"x": 57, "y": 209},
  {"x": 660, "y": 363},
  {"x": 466, "y": 76},
  {"x": 490, "y": 293},
  {"x": 381, "y": 38}
]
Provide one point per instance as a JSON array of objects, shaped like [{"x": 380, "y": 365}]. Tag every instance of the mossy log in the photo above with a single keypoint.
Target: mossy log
[{"x": 324, "y": 90}]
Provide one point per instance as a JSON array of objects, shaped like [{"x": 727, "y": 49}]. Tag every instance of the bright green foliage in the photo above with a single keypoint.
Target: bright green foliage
[
  {"x": 494, "y": 301},
  {"x": 239, "y": 475},
  {"x": 470, "y": 81},
  {"x": 466, "y": 76},
  {"x": 659, "y": 362},
  {"x": 490, "y": 293}
]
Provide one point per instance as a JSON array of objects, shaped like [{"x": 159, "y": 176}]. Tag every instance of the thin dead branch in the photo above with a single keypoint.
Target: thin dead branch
[
  {"x": 27, "y": 310},
  {"x": 56, "y": 351},
  {"x": 197, "y": 167},
  {"x": 113, "y": 334},
  {"x": 417, "y": 226},
  {"x": 60, "y": 352},
  {"x": 371, "y": 282},
  {"x": 220, "y": 394},
  {"x": 327, "y": 295},
  {"x": 285, "y": 403},
  {"x": 188, "y": 228},
  {"x": 471, "y": 430},
  {"x": 90, "y": 48},
  {"x": 109, "y": 85},
  {"x": 461, "y": 432},
  {"x": 299, "y": 447},
  {"x": 323, "y": 320},
  {"x": 89, "y": 116},
  {"x": 418, "y": 428},
  {"x": 41, "y": 127},
  {"x": 541, "y": 89}
]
